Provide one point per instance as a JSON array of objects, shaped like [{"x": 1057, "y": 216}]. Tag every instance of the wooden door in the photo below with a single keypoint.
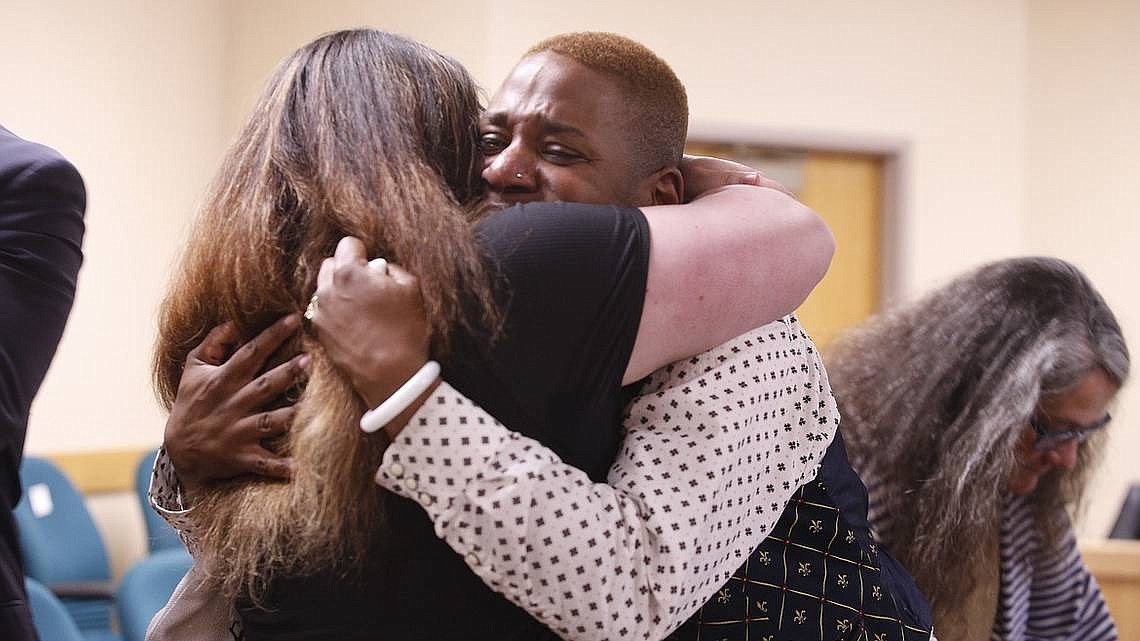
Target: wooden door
[{"x": 846, "y": 190}]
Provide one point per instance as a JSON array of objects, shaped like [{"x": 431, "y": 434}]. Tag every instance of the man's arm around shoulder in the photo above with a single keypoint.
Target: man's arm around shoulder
[{"x": 735, "y": 259}]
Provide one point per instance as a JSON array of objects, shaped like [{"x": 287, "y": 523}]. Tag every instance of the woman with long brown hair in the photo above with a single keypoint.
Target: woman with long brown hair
[
  {"x": 366, "y": 134},
  {"x": 309, "y": 167}
]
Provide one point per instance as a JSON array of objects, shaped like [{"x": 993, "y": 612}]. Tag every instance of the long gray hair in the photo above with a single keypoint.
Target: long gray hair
[{"x": 935, "y": 396}]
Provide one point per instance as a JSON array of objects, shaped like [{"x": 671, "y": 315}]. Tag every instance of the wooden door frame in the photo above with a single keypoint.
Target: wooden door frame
[{"x": 896, "y": 155}]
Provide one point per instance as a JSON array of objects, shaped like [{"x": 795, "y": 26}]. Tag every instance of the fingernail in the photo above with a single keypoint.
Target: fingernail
[{"x": 305, "y": 361}]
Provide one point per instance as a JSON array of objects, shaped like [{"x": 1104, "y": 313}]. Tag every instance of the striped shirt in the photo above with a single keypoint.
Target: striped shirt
[{"x": 1045, "y": 594}]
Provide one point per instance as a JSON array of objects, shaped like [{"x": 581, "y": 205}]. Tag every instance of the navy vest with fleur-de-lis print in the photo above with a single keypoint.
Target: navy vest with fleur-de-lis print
[{"x": 818, "y": 576}]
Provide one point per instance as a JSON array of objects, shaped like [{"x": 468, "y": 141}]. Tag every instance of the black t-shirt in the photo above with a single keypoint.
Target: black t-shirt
[{"x": 572, "y": 283}]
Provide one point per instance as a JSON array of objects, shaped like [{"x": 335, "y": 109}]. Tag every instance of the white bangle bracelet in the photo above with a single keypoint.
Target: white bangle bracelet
[{"x": 399, "y": 401}]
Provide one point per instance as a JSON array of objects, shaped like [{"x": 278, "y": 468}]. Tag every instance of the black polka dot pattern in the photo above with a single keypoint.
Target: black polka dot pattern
[{"x": 714, "y": 448}]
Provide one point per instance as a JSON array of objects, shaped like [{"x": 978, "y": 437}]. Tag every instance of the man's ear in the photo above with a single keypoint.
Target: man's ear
[{"x": 663, "y": 187}]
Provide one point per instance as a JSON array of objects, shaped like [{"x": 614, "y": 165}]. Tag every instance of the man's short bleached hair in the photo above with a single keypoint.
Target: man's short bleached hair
[{"x": 657, "y": 105}]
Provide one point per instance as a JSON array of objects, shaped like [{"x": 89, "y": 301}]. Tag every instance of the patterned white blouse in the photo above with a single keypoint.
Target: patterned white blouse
[{"x": 714, "y": 447}]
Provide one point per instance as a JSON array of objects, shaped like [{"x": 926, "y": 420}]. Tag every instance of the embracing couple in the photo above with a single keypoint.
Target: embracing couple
[{"x": 629, "y": 436}]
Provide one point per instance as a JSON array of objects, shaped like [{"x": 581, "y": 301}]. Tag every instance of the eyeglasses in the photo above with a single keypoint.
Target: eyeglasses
[{"x": 1048, "y": 439}]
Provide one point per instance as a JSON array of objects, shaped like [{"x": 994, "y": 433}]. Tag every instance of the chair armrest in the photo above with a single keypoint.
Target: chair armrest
[{"x": 83, "y": 590}]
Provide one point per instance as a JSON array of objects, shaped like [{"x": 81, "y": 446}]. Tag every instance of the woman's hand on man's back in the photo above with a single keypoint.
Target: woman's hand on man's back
[
  {"x": 226, "y": 406},
  {"x": 370, "y": 321}
]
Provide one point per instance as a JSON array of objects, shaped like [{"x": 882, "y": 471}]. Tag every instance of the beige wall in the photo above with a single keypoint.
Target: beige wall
[
  {"x": 893, "y": 71},
  {"x": 889, "y": 70},
  {"x": 264, "y": 31},
  {"x": 142, "y": 96},
  {"x": 1083, "y": 183},
  {"x": 130, "y": 91}
]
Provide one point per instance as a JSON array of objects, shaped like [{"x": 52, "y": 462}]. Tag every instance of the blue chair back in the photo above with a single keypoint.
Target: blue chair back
[
  {"x": 61, "y": 544},
  {"x": 147, "y": 587},
  {"x": 159, "y": 534},
  {"x": 53, "y": 623}
]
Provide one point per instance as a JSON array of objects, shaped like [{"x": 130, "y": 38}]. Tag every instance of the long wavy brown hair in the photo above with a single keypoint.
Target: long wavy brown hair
[
  {"x": 935, "y": 396},
  {"x": 358, "y": 133}
]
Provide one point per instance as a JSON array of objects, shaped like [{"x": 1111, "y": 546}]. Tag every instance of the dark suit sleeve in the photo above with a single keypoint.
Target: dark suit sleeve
[
  {"x": 41, "y": 230},
  {"x": 42, "y": 201}
]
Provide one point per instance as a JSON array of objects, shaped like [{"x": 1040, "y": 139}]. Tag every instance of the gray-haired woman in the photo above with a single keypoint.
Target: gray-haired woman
[{"x": 975, "y": 416}]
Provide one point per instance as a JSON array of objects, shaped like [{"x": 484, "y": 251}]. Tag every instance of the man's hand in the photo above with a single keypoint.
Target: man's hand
[
  {"x": 220, "y": 415},
  {"x": 371, "y": 322},
  {"x": 705, "y": 173}
]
